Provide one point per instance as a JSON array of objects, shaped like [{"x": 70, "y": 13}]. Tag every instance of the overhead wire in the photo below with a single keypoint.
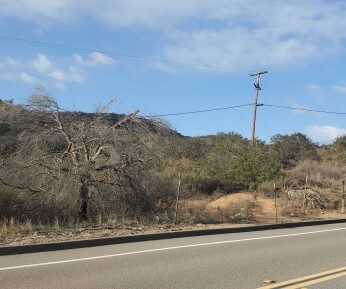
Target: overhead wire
[
  {"x": 123, "y": 56},
  {"x": 249, "y": 104},
  {"x": 303, "y": 109},
  {"x": 200, "y": 111}
]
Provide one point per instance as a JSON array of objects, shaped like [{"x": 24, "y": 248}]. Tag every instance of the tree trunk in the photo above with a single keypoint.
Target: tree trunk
[{"x": 84, "y": 200}]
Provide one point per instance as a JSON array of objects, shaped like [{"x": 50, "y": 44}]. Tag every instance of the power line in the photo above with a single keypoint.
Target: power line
[
  {"x": 245, "y": 105},
  {"x": 119, "y": 55},
  {"x": 304, "y": 109},
  {"x": 201, "y": 111}
]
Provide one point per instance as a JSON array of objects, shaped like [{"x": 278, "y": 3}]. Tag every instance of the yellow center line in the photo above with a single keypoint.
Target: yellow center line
[
  {"x": 305, "y": 278},
  {"x": 316, "y": 281}
]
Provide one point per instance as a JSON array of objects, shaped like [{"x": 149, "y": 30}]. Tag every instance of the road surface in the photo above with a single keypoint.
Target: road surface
[{"x": 241, "y": 260}]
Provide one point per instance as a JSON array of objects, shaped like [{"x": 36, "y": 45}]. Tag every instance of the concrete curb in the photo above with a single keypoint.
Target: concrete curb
[{"x": 25, "y": 249}]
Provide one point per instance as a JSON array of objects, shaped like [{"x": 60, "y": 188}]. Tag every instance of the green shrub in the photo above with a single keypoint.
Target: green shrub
[{"x": 289, "y": 149}]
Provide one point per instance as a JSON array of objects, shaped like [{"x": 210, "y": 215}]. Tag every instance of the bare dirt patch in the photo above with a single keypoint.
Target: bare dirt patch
[
  {"x": 228, "y": 201},
  {"x": 264, "y": 210}
]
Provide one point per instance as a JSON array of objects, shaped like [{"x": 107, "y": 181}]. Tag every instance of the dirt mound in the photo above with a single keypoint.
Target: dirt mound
[{"x": 228, "y": 201}]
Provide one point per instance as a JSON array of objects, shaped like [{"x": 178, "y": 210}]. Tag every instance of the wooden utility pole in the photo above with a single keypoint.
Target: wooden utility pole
[
  {"x": 276, "y": 205},
  {"x": 257, "y": 86},
  {"x": 343, "y": 198},
  {"x": 177, "y": 201}
]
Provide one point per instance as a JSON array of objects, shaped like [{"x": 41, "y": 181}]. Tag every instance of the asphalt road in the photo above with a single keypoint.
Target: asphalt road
[{"x": 241, "y": 260}]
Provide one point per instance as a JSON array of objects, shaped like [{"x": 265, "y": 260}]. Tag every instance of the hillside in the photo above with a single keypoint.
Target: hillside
[{"x": 73, "y": 168}]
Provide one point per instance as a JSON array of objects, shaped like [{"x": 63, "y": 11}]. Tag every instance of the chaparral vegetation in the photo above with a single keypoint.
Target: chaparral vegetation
[{"x": 72, "y": 168}]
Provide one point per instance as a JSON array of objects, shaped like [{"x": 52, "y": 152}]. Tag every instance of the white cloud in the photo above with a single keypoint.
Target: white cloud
[
  {"x": 49, "y": 69},
  {"x": 78, "y": 59},
  {"x": 324, "y": 134},
  {"x": 76, "y": 74},
  {"x": 57, "y": 75},
  {"x": 95, "y": 59},
  {"x": 29, "y": 78},
  {"x": 118, "y": 13},
  {"x": 41, "y": 67},
  {"x": 40, "y": 11},
  {"x": 235, "y": 48},
  {"x": 238, "y": 34},
  {"x": 10, "y": 70},
  {"x": 339, "y": 88},
  {"x": 152, "y": 13},
  {"x": 42, "y": 64},
  {"x": 10, "y": 63}
]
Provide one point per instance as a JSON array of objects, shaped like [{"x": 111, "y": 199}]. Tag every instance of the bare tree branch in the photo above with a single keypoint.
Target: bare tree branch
[
  {"x": 21, "y": 187},
  {"x": 127, "y": 118}
]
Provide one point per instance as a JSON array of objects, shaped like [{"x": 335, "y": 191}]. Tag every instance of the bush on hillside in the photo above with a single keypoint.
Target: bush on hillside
[
  {"x": 290, "y": 149},
  {"x": 233, "y": 163}
]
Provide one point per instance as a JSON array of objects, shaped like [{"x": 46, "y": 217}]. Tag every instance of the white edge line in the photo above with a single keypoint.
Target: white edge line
[{"x": 164, "y": 249}]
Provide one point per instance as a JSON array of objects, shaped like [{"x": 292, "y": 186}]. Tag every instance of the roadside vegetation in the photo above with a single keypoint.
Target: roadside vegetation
[{"x": 63, "y": 171}]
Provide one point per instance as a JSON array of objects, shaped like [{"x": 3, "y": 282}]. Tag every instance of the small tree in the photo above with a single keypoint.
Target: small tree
[
  {"x": 339, "y": 148},
  {"x": 290, "y": 149}
]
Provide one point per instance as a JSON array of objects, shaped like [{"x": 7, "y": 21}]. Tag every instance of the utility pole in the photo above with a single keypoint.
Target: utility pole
[
  {"x": 177, "y": 201},
  {"x": 257, "y": 86},
  {"x": 276, "y": 205},
  {"x": 343, "y": 198}
]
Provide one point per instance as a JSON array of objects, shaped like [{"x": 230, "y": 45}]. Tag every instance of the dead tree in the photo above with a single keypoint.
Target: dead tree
[{"x": 75, "y": 160}]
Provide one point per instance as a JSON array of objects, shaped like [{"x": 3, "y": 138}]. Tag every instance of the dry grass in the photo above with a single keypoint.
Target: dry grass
[{"x": 321, "y": 175}]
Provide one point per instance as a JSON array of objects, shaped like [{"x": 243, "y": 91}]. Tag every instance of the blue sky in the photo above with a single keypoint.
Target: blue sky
[{"x": 302, "y": 43}]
